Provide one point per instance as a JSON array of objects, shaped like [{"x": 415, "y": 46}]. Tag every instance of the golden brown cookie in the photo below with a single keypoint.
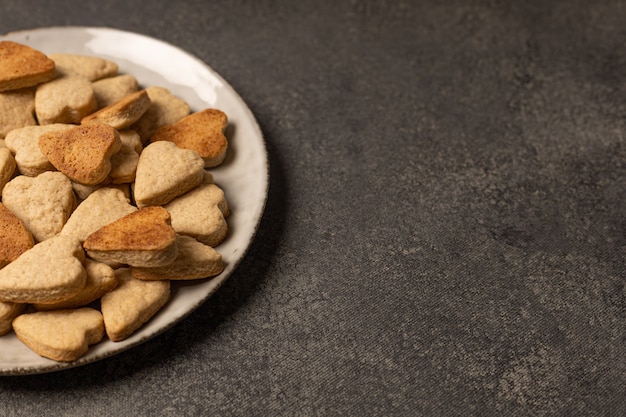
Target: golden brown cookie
[
  {"x": 22, "y": 66},
  {"x": 14, "y": 238},
  {"x": 165, "y": 108},
  {"x": 202, "y": 132},
  {"x": 7, "y": 166},
  {"x": 83, "y": 153},
  {"x": 24, "y": 144},
  {"x": 122, "y": 113},
  {"x": 61, "y": 335},
  {"x": 142, "y": 238},
  {"x": 131, "y": 304}
]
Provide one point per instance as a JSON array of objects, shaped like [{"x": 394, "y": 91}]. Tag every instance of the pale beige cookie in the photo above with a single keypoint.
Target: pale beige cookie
[
  {"x": 103, "y": 206},
  {"x": 9, "y": 311},
  {"x": 164, "y": 172},
  {"x": 142, "y": 238},
  {"x": 122, "y": 113},
  {"x": 49, "y": 272},
  {"x": 83, "y": 153},
  {"x": 84, "y": 191},
  {"x": 22, "y": 66},
  {"x": 7, "y": 166},
  {"x": 124, "y": 163},
  {"x": 131, "y": 304},
  {"x": 64, "y": 100},
  {"x": 17, "y": 109},
  {"x": 201, "y": 213},
  {"x": 42, "y": 203},
  {"x": 113, "y": 89},
  {"x": 61, "y": 335},
  {"x": 100, "y": 280},
  {"x": 24, "y": 143},
  {"x": 195, "y": 260},
  {"x": 165, "y": 109},
  {"x": 90, "y": 67},
  {"x": 202, "y": 132},
  {"x": 14, "y": 238}
]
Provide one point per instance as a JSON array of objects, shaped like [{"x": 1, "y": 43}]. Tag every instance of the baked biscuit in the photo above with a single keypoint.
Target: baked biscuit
[
  {"x": 14, "y": 238},
  {"x": 105, "y": 205},
  {"x": 83, "y": 153},
  {"x": 84, "y": 191},
  {"x": 90, "y": 67},
  {"x": 195, "y": 260},
  {"x": 165, "y": 108},
  {"x": 126, "y": 308},
  {"x": 42, "y": 203},
  {"x": 22, "y": 66},
  {"x": 202, "y": 132},
  {"x": 124, "y": 163},
  {"x": 100, "y": 280},
  {"x": 61, "y": 335},
  {"x": 201, "y": 213},
  {"x": 7, "y": 166},
  {"x": 17, "y": 109},
  {"x": 164, "y": 172},
  {"x": 142, "y": 238},
  {"x": 122, "y": 113},
  {"x": 64, "y": 100},
  {"x": 9, "y": 311},
  {"x": 113, "y": 89},
  {"x": 49, "y": 272},
  {"x": 24, "y": 143}
]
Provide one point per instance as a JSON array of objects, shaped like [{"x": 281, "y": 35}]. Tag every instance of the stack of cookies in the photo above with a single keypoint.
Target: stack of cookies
[{"x": 107, "y": 197}]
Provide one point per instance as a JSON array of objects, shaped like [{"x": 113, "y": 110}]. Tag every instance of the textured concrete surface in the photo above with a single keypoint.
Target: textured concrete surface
[{"x": 445, "y": 231}]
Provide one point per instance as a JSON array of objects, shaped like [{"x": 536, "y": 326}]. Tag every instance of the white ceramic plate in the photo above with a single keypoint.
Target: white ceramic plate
[{"x": 243, "y": 175}]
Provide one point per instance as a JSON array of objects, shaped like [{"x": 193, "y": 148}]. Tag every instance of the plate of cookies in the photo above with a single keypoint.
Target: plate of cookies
[{"x": 133, "y": 180}]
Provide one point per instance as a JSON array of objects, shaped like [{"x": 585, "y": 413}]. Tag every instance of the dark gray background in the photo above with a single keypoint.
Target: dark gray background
[{"x": 445, "y": 230}]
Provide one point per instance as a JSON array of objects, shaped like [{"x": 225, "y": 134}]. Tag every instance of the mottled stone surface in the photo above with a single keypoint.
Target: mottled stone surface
[{"x": 445, "y": 232}]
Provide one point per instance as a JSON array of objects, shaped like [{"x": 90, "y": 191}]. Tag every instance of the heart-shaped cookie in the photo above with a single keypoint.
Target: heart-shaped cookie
[
  {"x": 201, "y": 213},
  {"x": 202, "y": 131},
  {"x": 24, "y": 144},
  {"x": 9, "y": 311},
  {"x": 61, "y": 335},
  {"x": 22, "y": 66},
  {"x": 83, "y": 153},
  {"x": 43, "y": 203},
  {"x": 142, "y": 238},
  {"x": 165, "y": 171},
  {"x": 195, "y": 260},
  {"x": 100, "y": 280},
  {"x": 105, "y": 205},
  {"x": 14, "y": 238},
  {"x": 17, "y": 109},
  {"x": 131, "y": 304},
  {"x": 122, "y": 113},
  {"x": 49, "y": 272},
  {"x": 91, "y": 67}
]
